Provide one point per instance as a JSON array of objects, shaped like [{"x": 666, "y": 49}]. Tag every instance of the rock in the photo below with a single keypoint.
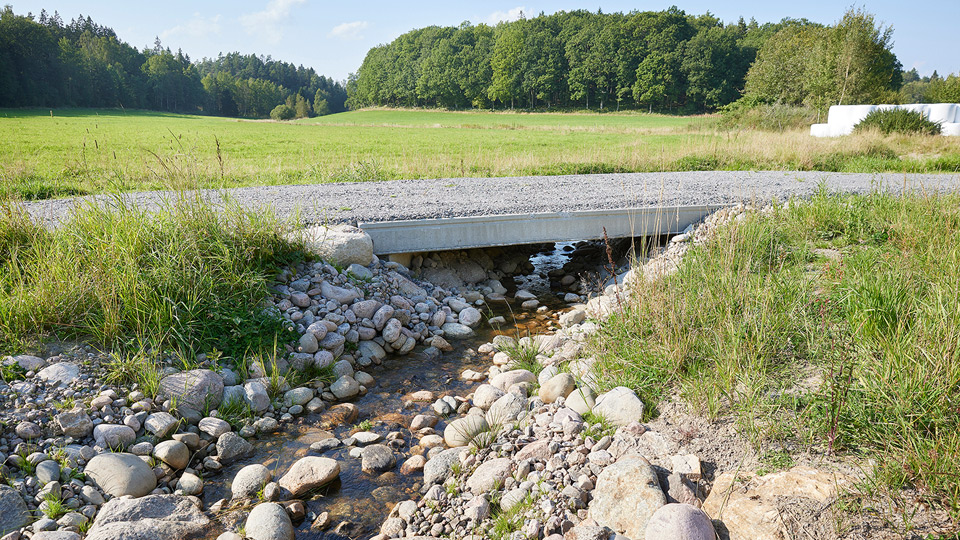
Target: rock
[
  {"x": 626, "y": 496},
  {"x": 507, "y": 379},
  {"x": 572, "y": 317},
  {"x": 749, "y": 506},
  {"x": 345, "y": 387},
  {"x": 364, "y": 438},
  {"x": 470, "y": 317},
  {"x": 371, "y": 349},
  {"x": 486, "y": 395},
  {"x": 75, "y": 423},
  {"x": 340, "y": 414},
  {"x": 590, "y": 532},
  {"x": 454, "y": 330},
  {"x": 28, "y": 430},
  {"x": 308, "y": 343},
  {"x": 114, "y": 436},
  {"x": 512, "y": 498},
  {"x": 438, "y": 468},
  {"x": 297, "y": 396},
  {"x": 364, "y": 309},
  {"x": 47, "y": 471},
  {"x": 413, "y": 465},
  {"x": 679, "y": 522},
  {"x": 477, "y": 510},
  {"x": 391, "y": 330},
  {"x": 196, "y": 389},
  {"x": 508, "y": 408},
  {"x": 28, "y": 362},
  {"x": 256, "y": 395},
  {"x": 56, "y": 535},
  {"x": 309, "y": 473},
  {"x": 462, "y": 430},
  {"x": 13, "y": 511},
  {"x": 173, "y": 453},
  {"x": 214, "y": 427},
  {"x": 490, "y": 475},
  {"x": 250, "y": 480},
  {"x": 231, "y": 447},
  {"x": 190, "y": 484},
  {"x": 581, "y": 400},
  {"x": 560, "y": 385},
  {"x": 161, "y": 424},
  {"x": 338, "y": 244},
  {"x": 121, "y": 474},
  {"x": 422, "y": 421},
  {"x": 687, "y": 465},
  {"x": 339, "y": 294},
  {"x": 269, "y": 521},
  {"x": 539, "y": 450},
  {"x": 680, "y": 490},
  {"x": 62, "y": 373},
  {"x": 619, "y": 406},
  {"x": 377, "y": 458}
]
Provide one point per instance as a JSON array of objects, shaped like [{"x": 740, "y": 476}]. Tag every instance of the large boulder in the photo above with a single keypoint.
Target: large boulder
[
  {"x": 626, "y": 496},
  {"x": 13, "y": 511},
  {"x": 154, "y": 517},
  {"x": 249, "y": 480},
  {"x": 121, "y": 474},
  {"x": 462, "y": 430},
  {"x": 308, "y": 473},
  {"x": 619, "y": 406},
  {"x": 269, "y": 521},
  {"x": 745, "y": 503},
  {"x": 62, "y": 373},
  {"x": 338, "y": 244},
  {"x": 197, "y": 389}
]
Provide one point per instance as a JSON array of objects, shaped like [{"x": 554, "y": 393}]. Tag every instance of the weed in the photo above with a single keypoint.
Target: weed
[
  {"x": 889, "y": 121},
  {"x": 236, "y": 412},
  {"x": 597, "y": 426},
  {"x": 141, "y": 368},
  {"x": 53, "y": 506},
  {"x": 12, "y": 372},
  {"x": 366, "y": 425}
]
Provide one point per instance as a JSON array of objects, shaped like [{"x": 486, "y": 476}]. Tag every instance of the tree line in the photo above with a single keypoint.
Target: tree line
[
  {"x": 46, "y": 62},
  {"x": 664, "y": 61}
]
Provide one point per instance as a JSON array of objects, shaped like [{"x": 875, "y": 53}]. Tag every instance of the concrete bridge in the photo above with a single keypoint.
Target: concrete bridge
[{"x": 420, "y": 235}]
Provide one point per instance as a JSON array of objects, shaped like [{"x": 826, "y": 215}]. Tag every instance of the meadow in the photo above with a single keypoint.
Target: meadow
[{"x": 54, "y": 153}]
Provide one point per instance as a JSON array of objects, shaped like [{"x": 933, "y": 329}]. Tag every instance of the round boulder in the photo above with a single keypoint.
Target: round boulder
[
  {"x": 679, "y": 521},
  {"x": 121, "y": 474}
]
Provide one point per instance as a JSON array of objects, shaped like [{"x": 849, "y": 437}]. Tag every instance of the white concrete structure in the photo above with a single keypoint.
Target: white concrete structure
[{"x": 842, "y": 118}]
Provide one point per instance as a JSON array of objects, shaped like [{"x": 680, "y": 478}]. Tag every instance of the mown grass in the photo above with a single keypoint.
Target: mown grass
[
  {"x": 189, "y": 278},
  {"x": 831, "y": 325},
  {"x": 100, "y": 151}
]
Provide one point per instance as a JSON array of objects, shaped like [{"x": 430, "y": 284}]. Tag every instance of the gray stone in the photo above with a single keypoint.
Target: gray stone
[
  {"x": 680, "y": 522},
  {"x": 29, "y": 362},
  {"x": 121, "y": 474},
  {"x": 490, "y": 475},
  {"x": 161, "y": 424},
  {"x": 250, "y": 480},
  {"x": 506, "y": 409},
  {"x": 154, "y": 517},
  {"x": 195, "y": 389},
  {"x": 297, "y": 396},
  {"x": 454, "y": 330},
  {"x": 114, "y": 436},
  {"x": 257, "y": 396},
  {"x": 486, "y": 395},
  {"x": 231, "y": 447},
  {"x": 338, "y": 294},
  {"x": 377, "y": 458},
  {"x": 338, "y": 244},
  {"x": 75, "y": 423},
  {"x": 619, "y": 406},
  {"x": 364, "y": 309},
  {"x": 48, "y": 471},
  {"x": 572, "y": 317},
  {"x": 360, "y": 272},
  {"x": 626, "y": 496},
  {"x": 28, "y": 430},
  {"x": 462, "y": 430},
  {"x": 371, "y": 349},
  {"x": 309, "y": 343},
  {"x": 345, "y": 387},
  {"x": 512, "y": 498},
  {"x": 507, "y": 379},
  {"x": 268, "y": 521},
  {"x": 438, "y": 468},
  {"x": 62, "y": 373},
  {"x": 470, "y": 317},
  {"x": 13, "y": 511},
  {"x": 214, "y": 427},
  {"x": 581, "y": 400},
  {"x": 190, "y": 484},
  {"x": 309, "y": 473},
  {"x": 173, "y": 453}
]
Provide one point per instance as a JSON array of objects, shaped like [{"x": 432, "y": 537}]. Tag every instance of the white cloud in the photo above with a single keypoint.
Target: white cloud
[
  {"x": 507, "y": 16},
  {"x": 349, "y": 31},
  {"x": 198, "y": 26},
  {"x": 268, "y": 23}
]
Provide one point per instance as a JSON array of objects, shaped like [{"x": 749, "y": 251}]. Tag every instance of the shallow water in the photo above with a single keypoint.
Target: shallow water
[{"x": 365, "y": 500}]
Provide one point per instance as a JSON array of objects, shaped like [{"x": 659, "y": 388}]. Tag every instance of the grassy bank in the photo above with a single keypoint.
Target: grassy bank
[
  {"x": 94, "y": 151},
  {"x": 187, "y": 279},
  {"x": 830, "y": 326}
]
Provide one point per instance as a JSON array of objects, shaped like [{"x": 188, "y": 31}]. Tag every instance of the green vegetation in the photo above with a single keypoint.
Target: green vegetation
[
  {"x": 103, "y": 151},
  {"x": 829, "y": 325},
  {"x": 48, "y": 63},
  {"x": 186, "y": 279},
  {"x": 898, "y": 121}
]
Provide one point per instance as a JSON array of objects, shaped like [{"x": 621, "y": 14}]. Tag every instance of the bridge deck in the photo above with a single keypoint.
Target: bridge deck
[{"x": 420, "y": 235}]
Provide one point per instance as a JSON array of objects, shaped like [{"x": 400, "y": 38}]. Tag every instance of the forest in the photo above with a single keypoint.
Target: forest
[
  {"x": 665, "y": 61},
  {"x": 47, "y": 62}
]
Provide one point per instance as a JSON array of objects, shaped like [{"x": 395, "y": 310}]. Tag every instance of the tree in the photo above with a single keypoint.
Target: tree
[
  {"x": 302, "y": 107},
  {"x": 506, "y": 83},
  {"x": 282, "y": 112}
]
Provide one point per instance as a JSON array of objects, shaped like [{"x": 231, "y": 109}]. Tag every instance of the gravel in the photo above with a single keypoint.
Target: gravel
[{"x": 458, "y": 197}]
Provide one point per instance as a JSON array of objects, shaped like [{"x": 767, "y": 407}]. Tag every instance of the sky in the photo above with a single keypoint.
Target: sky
[{"x": 334, "y": 37}]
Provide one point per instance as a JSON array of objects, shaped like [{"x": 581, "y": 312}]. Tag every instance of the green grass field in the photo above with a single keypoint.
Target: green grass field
[{"x": 56, "y": 153}]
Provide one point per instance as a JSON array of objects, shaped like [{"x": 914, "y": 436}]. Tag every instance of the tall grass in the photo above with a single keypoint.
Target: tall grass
[
  {"x": 832, "y": 324},
  {"x": 189, "y": 277}
]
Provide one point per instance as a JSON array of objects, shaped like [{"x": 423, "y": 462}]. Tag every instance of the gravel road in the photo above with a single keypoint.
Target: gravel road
[{"x": 419, "y": 199}]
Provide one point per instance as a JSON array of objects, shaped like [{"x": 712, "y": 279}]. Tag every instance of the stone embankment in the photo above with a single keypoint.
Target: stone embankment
[{"x": 522, "y": 456}]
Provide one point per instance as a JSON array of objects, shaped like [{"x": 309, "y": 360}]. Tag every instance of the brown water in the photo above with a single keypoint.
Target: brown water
[{"x": 365, "y": 500}]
